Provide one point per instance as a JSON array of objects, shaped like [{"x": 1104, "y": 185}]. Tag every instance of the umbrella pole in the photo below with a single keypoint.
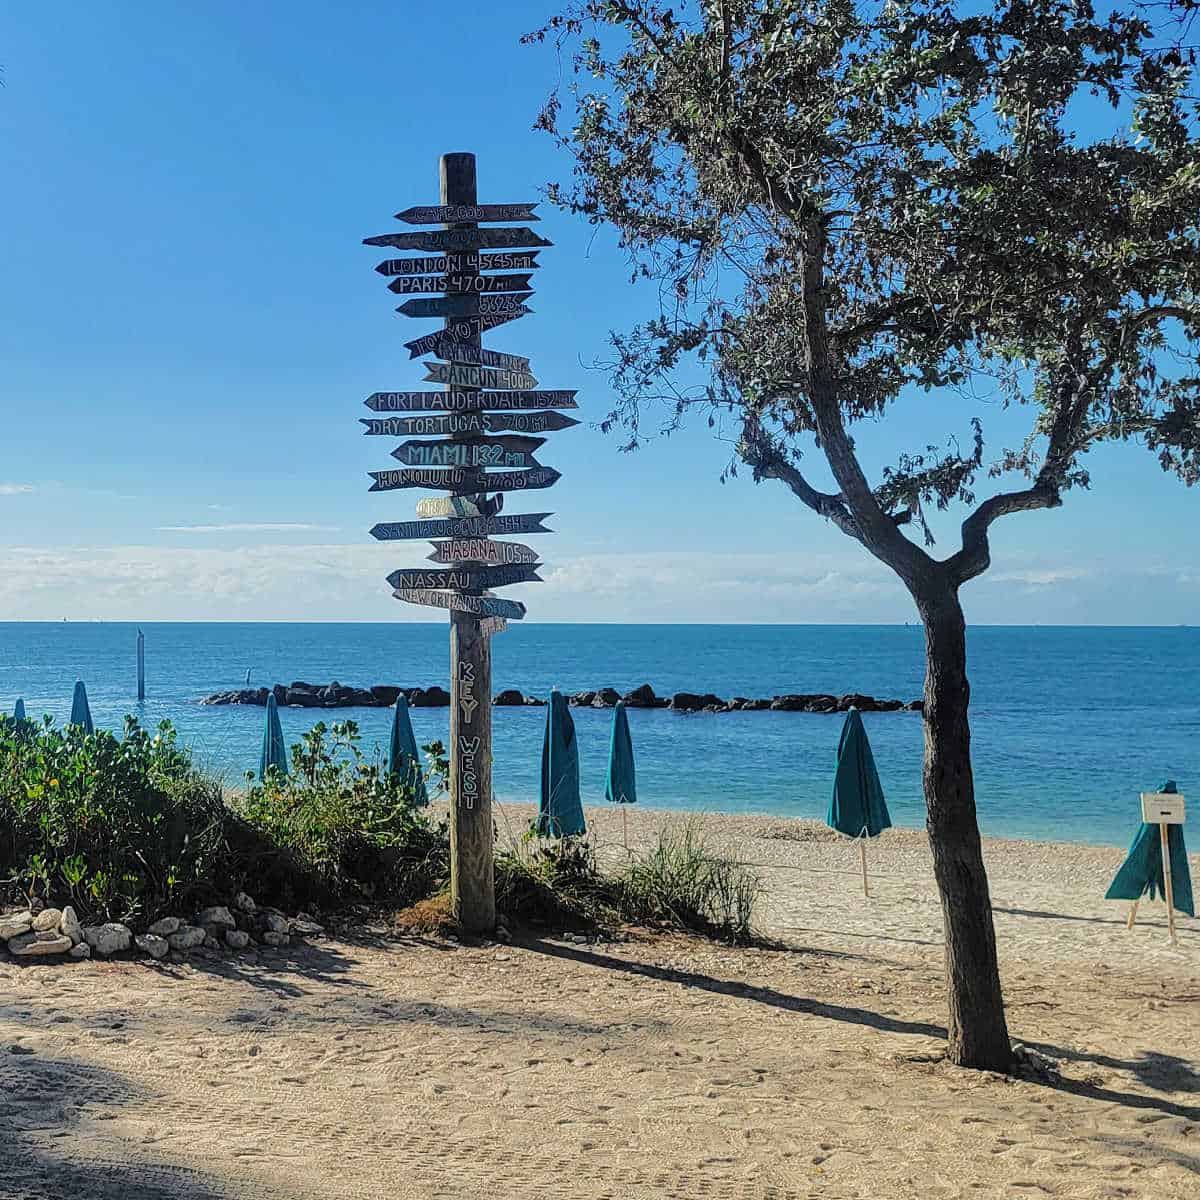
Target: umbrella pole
[
  {"x": 1167, "y": 891},
  {"x": 625, "y": 826},
  {"x": 862, "y": 850},
  {"x": 1132, "y": 914}
]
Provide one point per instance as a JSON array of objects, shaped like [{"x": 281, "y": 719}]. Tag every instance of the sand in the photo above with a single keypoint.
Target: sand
[{"x": 649, "y": 1067}]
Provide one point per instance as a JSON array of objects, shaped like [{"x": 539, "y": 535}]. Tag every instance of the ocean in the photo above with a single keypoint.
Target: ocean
[{"x": 1069, "y": 724}]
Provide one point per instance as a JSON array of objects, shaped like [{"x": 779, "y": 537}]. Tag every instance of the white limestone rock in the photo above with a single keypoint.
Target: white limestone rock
[
  {"x": 15, "y": 923},
  {"x": 244, "y": 903},
  {"x": 39, "y": 943},
  {"x": 81, "y": 950},
  {"x": 165, "y": 927},
  {"x": 153, "y": 945},
  {"x": 187, "y": 938},
  {"x": 217, "y": 915},
  {"x": 237, "y": 939},
  {"x": 274, "y": 938},
  {"x": 68, "y": 924},
  {"x": 47, "y": 920},
  {"x": 110, "y": 938}
]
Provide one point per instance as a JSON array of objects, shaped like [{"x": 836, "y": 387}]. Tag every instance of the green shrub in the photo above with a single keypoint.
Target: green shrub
[
  {"x": 116, "y": 827},
  {"x": 339, "y": 828},
  {"x": 681, "y": 882}
]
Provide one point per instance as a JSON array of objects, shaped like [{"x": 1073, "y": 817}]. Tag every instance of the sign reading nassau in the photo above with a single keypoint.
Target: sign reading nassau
[{"x": 465, "y": 579}]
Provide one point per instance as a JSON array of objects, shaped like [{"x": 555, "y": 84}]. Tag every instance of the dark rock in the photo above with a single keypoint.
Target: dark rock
[
  {"x": 385, "y": 695},
  {"x": 691, "y": 702},
  {"x": 915, "y": 706},
  {"x": 737, "y": 704},
  {"x": 433, "y": 697},
  {"x": 509, "y": 698},
  {"x": 859, "y": 701},
  {"x": 583, "y": 699},
  {"x": 534, "y": 702},
  {"x": 757, "y": 705},
  {"x": 641, "y": 697},
  {"x": 303, "y": 698},
  {"x": 889, "y": 705},
  {"x": 606, "y": 698},
  {"x": 280, "y": 693}
]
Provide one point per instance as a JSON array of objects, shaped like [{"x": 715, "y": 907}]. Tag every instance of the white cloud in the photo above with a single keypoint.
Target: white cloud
[
  {"x": 16, "y": 489},
  {"x": 249, "y": 527}
]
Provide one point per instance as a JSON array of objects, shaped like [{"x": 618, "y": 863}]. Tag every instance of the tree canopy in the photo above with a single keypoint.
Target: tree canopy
[{"x": 842, "y": 201}]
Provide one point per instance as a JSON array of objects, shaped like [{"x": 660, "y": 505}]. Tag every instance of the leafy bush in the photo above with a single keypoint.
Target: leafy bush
[
  {"x": 115, "y": 827},
  {"x": 680, "y": 884},
  {"x": 340, "y": 828},
  {"x": 683, "y": 883}
]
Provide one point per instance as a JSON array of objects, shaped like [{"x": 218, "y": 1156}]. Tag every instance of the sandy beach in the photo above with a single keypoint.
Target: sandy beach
[{"x": 648, "y": 1067}]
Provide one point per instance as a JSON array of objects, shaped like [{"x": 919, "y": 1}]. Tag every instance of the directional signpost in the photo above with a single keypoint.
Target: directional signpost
[{"x": 479, "y": 278}]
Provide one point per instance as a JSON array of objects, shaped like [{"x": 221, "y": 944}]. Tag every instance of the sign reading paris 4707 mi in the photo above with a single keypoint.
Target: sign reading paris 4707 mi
[{"x": 482, "y": 262}]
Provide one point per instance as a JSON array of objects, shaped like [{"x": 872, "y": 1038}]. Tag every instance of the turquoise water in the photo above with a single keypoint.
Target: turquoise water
[{"x": 1069, "y": 723}]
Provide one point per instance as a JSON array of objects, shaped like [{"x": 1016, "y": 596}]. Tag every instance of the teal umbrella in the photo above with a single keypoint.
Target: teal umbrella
[
  {"x": 858, "y": 808},
  {"x": 621, "y": 785},
  {"x": 1141, "y": 874},
  {"x": 19, "y": 711},
  {"x": 274, "y": 751},
  {"x": 560, "y": 813},
  {"x": 403, "y": 759},
  {"x": 80, "y": 713}
]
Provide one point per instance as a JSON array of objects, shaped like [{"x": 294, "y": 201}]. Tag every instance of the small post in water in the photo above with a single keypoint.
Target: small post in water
[{"x": 141, "y": 666}]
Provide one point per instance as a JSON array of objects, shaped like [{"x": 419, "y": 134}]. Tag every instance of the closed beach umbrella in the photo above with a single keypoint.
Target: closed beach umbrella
[
  {"x": 403, "y": 759},
  {"x": 274, "y": 752},
  {"x": 1141, "y": 874},
  {"x": 621, "y": 785},
  {"x": 857, "y": 809},
  {"x": 19, "y": 710},
  {"x": 80, "y": 713},
  {"x": 560, "y": 813}
]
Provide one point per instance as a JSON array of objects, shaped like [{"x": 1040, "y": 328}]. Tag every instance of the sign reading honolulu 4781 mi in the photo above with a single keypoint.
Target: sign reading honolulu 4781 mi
[{"x": 474, "y": 279}]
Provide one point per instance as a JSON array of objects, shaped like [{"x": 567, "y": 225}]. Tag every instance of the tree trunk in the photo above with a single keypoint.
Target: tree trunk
[{"x": 978, "y": 1034}]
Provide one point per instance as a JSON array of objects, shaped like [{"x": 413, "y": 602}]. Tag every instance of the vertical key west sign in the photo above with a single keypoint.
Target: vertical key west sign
[{"x": 474, "y": 272}]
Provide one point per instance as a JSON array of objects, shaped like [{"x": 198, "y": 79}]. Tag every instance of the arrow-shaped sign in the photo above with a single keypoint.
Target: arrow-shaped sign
[
  {"x": 442, "y": 345},
  {"x": 482, "y": 550},
  {"x": 460, "y": 283},
  {"x": 458, "y": 214},
  {"x": 489, "y": 626},
  {"x": 461, "y": 482},
  {"x": 484, "y": 606},
  {"x": 443, "y": 424},
  {"x": 468, "y": 401},
  {"x": 461, "y": 527},
  {"x": 460, "y": 239},
  {"x": 468, "y": 375},
  {"x": 446, "y": 264},
  {"x": 466, "y": 306},
  {"x": 473, "y": 327},
  {"x": 512, "y": 451},
  {"x": 465, "y": 579}
]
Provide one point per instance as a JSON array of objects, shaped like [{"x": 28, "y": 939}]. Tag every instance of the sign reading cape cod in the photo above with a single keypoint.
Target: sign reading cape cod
[{"x": 484, "y": 278}]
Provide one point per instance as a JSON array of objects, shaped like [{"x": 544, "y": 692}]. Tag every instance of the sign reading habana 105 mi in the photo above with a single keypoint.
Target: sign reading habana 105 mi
[
  {"x": 485, "y": 452},
  {"x": 461, "y": 527},
  {"x": 461, "y": 240},
  {"x": 457, "y": 400},
  {"x": 484, "y": 606},
  {"x": 446, "y": 264},
  {"x": 459, "y": 482},
  {"x": 482, "y": 550}
]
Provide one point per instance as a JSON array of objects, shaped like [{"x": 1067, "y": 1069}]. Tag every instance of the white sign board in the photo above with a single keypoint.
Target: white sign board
[{"x": 1162, "y": 808}]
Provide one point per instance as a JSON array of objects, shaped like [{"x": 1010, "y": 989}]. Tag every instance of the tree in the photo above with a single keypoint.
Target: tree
[{"x": 843, "y": 202}]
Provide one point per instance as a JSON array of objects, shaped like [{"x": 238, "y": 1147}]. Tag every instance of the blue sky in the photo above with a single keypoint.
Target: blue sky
[{"x": 189, "y": 325}]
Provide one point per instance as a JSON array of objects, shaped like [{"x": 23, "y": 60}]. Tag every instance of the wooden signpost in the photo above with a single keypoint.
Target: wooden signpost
[
  {"x": 1162, "y": 809},
  {"x": 485, "y": 392}
]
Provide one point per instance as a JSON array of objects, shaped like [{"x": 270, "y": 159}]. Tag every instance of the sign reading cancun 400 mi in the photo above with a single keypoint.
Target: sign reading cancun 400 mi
[{"x": 473, "y": 270}]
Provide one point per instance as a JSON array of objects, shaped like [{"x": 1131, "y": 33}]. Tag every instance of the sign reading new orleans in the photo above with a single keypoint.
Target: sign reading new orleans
[
  {"x": 444, "y": 264},
  {"x": 486, "y": 606},
  {"x": 481, "y": 452},
  {"x": 461, "y": 527}
]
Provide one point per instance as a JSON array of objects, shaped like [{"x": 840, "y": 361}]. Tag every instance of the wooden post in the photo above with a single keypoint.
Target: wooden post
[
  {"x": 472, "y": 874},
  {"x": 862, "y": 848},
  {"x": 1132, "y": 914},
  {"x": 141, "y": 666},
  {"x": 1168, "y": 891}
]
